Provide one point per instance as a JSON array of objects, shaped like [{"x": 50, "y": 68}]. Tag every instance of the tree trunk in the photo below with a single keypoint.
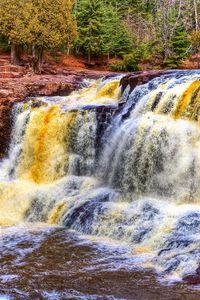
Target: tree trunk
[
  {"x": 38, "y": 61},
  {"x": 108, "y": 57},
  {"x": 196, "y": 16},
  {"x": 33, "y": 50},
  {"x": 15, "y": 54},
  {"x": 89, "y": 57}
]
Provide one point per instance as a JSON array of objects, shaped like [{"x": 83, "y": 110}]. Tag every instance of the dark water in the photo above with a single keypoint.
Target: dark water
[{"x": 53, "y": 263}]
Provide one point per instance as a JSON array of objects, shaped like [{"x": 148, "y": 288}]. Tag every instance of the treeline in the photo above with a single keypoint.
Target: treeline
[{"x": 161, "y": 31}]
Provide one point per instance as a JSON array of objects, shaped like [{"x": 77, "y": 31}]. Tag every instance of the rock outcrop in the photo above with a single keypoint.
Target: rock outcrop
[{"x": 138, "y": 78}]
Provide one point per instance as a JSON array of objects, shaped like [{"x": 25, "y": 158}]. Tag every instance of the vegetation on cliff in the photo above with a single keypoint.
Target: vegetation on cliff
[{"x": 159, "y": 32}]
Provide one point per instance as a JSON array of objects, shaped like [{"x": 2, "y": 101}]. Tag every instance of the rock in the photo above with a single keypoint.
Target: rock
[
  {"x": 193, "y": 279},
  {"x": 139, "y": 78},
  {"x": 10, "y": 74},
  {"x": 4, "y": 61}
]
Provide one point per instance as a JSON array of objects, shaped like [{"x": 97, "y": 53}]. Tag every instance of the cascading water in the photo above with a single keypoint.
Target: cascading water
[{"x": 131, "y": 175}]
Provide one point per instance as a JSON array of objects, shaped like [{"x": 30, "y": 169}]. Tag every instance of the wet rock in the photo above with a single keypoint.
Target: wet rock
[
  {"x": 193, "y": 279},
  {"x": 139, "y": 78},
  {"x": 82, "y": 216}
]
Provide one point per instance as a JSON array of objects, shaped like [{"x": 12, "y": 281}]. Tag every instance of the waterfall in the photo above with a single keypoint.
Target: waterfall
[{"x": 112, "y": 163}]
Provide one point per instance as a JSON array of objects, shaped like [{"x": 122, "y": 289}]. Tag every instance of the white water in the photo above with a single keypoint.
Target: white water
[{"x": 141, "y": 186}]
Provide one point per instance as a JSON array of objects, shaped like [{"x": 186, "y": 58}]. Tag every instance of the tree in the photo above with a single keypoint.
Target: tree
[
  {"x": 14, "y": 21},
  {"x": 195, "y": 40},
  {"x": 179, "y": 46},
  {"x": 90, "y": 18},
  {"x": 44, "y": 24},
  {"x": 117, "y": 39},
  {"x": 52, "y": 25},
  {"x": 101, "y": 31}
]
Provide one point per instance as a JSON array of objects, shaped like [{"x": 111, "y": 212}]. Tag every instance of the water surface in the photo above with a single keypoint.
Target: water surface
[{"x": 54, "y": 263}]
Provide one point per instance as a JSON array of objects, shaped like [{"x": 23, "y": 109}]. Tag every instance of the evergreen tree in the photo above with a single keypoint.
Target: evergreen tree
[
  {"x": 117, "y": 39},
  {"x": 90, "y": 18},
  {"x": 101, "y": 30},
  {"x": 52, "y": 25},
  {"x": 179, "y": 47},
  {"x": 14, "y": 21},
  {"x": 44, "y": 24}
]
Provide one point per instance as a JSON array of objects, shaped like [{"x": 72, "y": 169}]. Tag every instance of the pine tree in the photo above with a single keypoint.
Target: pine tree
[
  {"x": 101, "y": 30},
  {"x": 179, "y": 47},
  {"x": 90, "y": 17},
  {"x": 117, "y": 39}
]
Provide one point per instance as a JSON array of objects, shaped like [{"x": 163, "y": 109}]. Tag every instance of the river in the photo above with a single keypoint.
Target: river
[{"x": 99, "y": 194}]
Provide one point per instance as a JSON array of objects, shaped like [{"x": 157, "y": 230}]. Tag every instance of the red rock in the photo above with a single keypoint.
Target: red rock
[
  {"x": 4, "y": 62},
  {"x": 139, "y": 78},
  {"x": 10, "y": 74}
]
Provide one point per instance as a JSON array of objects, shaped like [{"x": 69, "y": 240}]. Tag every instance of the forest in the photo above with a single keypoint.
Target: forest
[{"x": 161, "y": 33}]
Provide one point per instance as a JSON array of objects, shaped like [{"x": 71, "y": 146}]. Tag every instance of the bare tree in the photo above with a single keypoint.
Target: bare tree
[{"x": 196, "y": 15}]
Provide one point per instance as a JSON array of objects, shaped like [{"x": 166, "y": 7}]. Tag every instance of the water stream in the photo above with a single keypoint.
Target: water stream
[{"x": 99, "y": 195}]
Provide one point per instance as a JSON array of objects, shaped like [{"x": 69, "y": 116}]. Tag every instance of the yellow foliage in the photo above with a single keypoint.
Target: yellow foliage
[
  {"x": 195, "y": 38},
  {"x": 43, "y": 23}
]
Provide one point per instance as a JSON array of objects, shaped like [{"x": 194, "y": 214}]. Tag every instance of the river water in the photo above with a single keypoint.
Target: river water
[
  {"x": 99, "y": 194},
  {"x": 55, "y": 263}
]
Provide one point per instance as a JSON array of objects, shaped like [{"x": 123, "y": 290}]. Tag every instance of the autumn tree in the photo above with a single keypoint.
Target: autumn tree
[
  {"x": 15, "y": 17},
  {"x": 41, "y": 24},
  {"x": 52, "y": 25},
  {"x": 195, "y": 41}
]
